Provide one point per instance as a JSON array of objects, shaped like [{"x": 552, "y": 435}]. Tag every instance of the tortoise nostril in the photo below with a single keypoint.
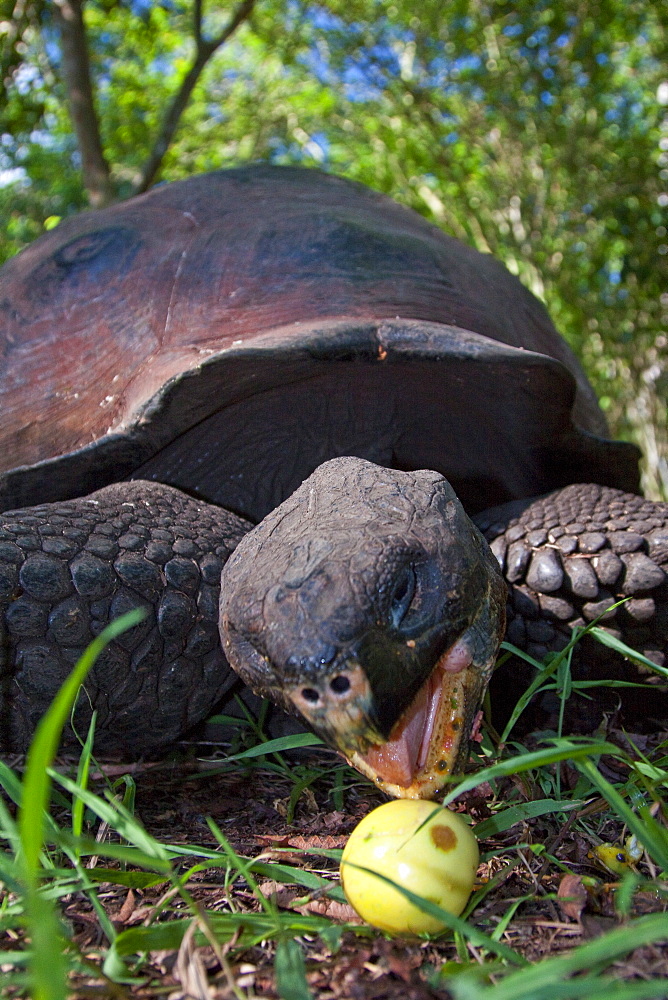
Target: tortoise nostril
[
  {"x": 310, "y": 694},
  {"x": 340, "y": 684}
]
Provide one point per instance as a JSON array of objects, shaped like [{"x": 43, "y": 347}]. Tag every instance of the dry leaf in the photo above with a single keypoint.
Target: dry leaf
[
  {"x": 190, "y": 969},
  {"x": 127, "y": 909},
  {"x": 317, "y": 843},
  {"x": 340, "y": 912},
  {"x": 572, "y": 896}
]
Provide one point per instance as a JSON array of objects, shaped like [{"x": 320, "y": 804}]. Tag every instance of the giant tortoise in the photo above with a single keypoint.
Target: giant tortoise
[{"x": 281, "y": 346}]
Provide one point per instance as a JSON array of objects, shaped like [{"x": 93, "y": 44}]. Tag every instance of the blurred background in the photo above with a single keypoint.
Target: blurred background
[{"x": 534, "y": 131}]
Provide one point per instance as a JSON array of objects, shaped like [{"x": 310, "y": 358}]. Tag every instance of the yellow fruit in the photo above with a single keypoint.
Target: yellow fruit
[{"x": 420, "y": 846}]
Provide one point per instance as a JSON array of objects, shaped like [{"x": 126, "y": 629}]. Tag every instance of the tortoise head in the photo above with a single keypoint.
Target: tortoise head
[{"x": 369, "y": 604}]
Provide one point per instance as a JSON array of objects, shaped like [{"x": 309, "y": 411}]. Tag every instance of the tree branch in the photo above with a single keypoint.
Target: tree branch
[
  {"x": 205, "y": 49},
  {"x": 197, "y": 23},
  {"x": 79, "y": 89}
]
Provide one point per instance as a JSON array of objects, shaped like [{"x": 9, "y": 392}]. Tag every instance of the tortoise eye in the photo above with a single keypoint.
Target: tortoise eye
[{"x": 403, "y": 595}]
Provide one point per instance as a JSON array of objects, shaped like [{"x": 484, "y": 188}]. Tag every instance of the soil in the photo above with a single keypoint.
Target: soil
[{"x": 251, "y": 806}]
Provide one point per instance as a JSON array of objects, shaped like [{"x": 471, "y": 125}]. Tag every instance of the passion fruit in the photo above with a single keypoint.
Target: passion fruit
[{"x": 419, "y": 846}]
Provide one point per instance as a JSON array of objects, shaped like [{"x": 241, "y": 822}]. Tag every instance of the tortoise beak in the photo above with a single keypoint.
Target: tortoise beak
[
  {"x": 430, "y": 739},
  {"x": 409, "y": 756}
]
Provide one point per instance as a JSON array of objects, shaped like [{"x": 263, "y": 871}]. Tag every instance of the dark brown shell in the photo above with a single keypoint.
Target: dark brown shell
[{"x": 229, "y": 332}]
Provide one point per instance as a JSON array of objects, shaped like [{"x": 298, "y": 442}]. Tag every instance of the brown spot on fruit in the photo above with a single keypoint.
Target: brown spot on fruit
[{"x": 444, "y": 838}]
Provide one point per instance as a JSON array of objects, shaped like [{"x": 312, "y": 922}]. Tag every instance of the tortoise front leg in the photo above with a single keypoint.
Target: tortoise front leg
[
  {"x": 569, "y": 556},
  {"x": 67, "y": 569}
]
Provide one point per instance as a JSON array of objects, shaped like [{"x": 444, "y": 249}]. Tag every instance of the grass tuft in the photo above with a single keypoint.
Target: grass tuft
[{"x": 543, "y": 812}]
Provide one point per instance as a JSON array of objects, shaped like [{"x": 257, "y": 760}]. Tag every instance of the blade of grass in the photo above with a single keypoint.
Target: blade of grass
[
  {"x": 117, "y": 816},
  {"x": 481, "y": 893},
  {"x": 582, "y": 988},
  {"x": 612, "y": 642},
  {"x": 131, "y": 880},
  {"x": 279, "y": 745},
  {"x": 307, "y": 779},
  {"x": 297, "y": 876},
  {"x": 566, "y": 750},
  {"x": 290, "y": 971},
  {"x": 652, "y": 835},
  {"x": 507, "y": 818},
  {"x": 89, "y": 847},
  {"x": 48, "y": 965},
  {"x": 251, "y": 928},
  {"x": 36, "y": 781},
  {"x": 545, "y": 671},
  {"x": 83, "y": 770},
  {"x": 242, "y": 866},
  {"x": 88, "y": 887},
  {"x": 532, "y": 983}
]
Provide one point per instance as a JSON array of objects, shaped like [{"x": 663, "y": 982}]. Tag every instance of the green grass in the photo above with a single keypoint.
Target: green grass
[{"x": 48, "y": 840}]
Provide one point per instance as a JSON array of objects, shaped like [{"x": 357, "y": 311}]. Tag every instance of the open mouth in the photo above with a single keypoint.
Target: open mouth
[{"x": 425, "y": 744}]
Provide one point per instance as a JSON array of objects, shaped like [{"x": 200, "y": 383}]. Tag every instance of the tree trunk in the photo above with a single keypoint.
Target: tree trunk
[{"x": 79, "y": 89}]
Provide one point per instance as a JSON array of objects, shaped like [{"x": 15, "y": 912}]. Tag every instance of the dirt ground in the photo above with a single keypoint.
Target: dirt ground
[{"x": 250, "y": 807}]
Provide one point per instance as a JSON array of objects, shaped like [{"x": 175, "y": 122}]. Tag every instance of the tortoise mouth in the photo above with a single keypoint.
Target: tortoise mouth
[{"x": 429, "y": 741}]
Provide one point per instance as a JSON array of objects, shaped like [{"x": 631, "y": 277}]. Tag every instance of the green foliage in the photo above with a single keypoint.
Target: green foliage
[
  {"x": 44, "y": 861},
  {"x": 536, "y": 131},
  {"x": 35, "y": 838},
  {"x": 47, "y": 965}
]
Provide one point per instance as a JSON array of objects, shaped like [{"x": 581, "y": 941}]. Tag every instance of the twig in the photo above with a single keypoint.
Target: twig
[{"x": 205, "y": 48}]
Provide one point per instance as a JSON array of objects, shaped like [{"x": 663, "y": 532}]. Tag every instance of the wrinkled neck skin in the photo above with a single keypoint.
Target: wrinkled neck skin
[{"x": 370, "y": 605}]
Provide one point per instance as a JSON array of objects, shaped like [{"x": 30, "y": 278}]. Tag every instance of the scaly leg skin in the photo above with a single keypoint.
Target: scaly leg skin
[
  {"x": 571, "y": 555},
  {"x": 67, "y": 569}
]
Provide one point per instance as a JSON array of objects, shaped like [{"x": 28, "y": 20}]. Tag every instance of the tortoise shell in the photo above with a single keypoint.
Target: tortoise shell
[{"x": 228, "y": 333}]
